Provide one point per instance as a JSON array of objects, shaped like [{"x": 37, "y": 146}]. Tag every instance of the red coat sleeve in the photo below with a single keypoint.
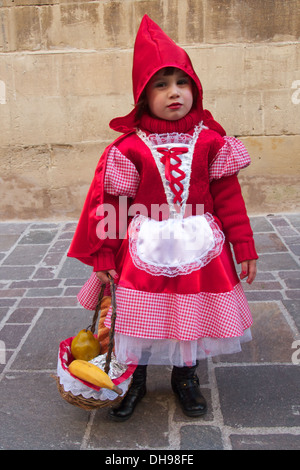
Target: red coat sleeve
[
  {"x": 87, "y": 245},
  {"x": 229, "y": 207}
]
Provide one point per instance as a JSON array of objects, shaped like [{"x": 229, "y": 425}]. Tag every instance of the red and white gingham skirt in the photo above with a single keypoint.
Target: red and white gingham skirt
[
  {"x": 174, "y": 316},
  {"x": 177, "y": 329},
  {"x": 180, "y": 316}
]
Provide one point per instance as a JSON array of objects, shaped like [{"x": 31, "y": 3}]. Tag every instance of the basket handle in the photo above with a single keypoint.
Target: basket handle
[
  {"x": 97, "y": 309},
  {"x": 112, "y": 323},
  {"x": 113, "y": 319}
]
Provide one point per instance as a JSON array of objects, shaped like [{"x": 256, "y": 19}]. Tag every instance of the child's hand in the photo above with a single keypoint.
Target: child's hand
[
  {"x": 248, "y": 270},
  {"x": 103, "y": 277}
]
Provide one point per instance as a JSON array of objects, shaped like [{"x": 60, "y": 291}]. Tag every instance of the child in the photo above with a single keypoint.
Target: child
[{"x": 179, "y": 298}]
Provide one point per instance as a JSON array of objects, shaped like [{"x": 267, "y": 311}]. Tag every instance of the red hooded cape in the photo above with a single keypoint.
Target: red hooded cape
[{"x": 153, "y": 50}]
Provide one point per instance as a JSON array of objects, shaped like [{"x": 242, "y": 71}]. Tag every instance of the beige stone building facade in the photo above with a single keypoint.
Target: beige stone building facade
[{"x": 65, "y": 71}]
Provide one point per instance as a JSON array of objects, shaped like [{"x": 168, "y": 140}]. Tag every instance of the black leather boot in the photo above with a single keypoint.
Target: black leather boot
[
  {"x": 135, "y": 393},
  {"x": 185, "y": 384}
]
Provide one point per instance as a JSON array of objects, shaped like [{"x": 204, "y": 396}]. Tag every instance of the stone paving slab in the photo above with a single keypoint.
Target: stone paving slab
[
  {"x": 265, "y": 442},
  {"x": 33, "y": 418},
  {"x": 259, "y": 396},
  {"x": 253, "y": 396}
]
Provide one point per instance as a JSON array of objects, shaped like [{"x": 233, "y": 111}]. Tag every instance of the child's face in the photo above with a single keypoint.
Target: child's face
[{"x": 170, "y": 97}]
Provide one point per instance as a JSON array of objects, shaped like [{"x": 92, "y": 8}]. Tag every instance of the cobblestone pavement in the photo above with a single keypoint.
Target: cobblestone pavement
[{"x": 253, "y": 396}]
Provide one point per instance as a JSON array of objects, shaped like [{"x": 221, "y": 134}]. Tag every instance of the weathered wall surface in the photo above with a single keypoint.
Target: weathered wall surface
[{"x": 65, "y": 71}]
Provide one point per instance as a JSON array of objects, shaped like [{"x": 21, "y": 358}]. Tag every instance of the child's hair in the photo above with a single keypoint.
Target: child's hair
[{"x": 142, "y": 105}]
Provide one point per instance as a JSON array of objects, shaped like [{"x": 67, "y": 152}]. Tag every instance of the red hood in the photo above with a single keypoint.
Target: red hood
[{"x": 154, "y": 50}]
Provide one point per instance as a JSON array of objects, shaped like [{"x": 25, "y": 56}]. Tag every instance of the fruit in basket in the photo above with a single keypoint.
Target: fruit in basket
[
  {"x": 85, "y": 346},
  {"x": 92, "y": 374}
]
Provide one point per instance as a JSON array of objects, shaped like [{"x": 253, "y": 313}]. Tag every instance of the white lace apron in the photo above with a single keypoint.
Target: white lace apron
[{"x": 179, "y": 244}]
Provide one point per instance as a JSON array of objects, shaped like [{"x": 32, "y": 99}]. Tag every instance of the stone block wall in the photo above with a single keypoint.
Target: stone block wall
[{"x": 65, "y": 71}]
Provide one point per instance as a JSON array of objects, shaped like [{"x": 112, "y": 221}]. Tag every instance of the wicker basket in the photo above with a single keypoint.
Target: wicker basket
[
  {"x": 92, "y": 403},
  {"x": 85, "y": 403}
]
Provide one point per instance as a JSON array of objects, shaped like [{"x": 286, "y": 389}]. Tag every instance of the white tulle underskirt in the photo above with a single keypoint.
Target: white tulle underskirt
[{"x": 132, "y": 350}]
